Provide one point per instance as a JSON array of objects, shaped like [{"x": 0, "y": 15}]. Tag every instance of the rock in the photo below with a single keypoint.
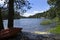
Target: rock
[{"x": 32, "y": 36}]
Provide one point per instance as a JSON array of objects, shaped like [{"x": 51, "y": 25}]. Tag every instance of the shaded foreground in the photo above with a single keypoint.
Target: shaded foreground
[
  {"x": 5, "y": 33},
  {"x": 33, "y": 36}
]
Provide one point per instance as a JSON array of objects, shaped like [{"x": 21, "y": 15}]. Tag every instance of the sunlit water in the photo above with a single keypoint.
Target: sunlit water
[{"x": 30, "y": 24}]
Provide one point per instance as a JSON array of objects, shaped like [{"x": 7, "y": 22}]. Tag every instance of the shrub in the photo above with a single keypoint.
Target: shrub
[{"x": 46, "y": 22}]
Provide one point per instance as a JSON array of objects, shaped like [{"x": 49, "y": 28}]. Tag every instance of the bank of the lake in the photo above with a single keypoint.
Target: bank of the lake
[{"x": 55, "y": 30}]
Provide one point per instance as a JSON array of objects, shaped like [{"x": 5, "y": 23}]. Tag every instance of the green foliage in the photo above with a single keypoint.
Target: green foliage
[
  {"x": 55, "y": 4},
  {"x": 5, "y": 15},
  {"x": 23, "y": 5},
  {"x": 46, "y": 22},
  {"x": 55, "y": 30},
  {"x": 51, "y": 2},
  {"x": 56, "y": 19}
]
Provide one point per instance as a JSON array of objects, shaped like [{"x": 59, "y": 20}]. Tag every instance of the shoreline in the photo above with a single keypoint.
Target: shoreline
[{"x": 34, "y": 36}]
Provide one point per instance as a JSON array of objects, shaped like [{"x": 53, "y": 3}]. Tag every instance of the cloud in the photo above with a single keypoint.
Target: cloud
[
  {"x": 38, "y": 11},
  {"x": 31, "y": 13},
  {"x": 27, "y": 14},
  {"x": 1, "y": 3}
]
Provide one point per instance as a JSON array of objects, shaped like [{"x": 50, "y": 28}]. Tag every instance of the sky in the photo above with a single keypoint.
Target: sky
[
  {"x": 38, "y": 6},
  {"x": 1, "y": 3}
]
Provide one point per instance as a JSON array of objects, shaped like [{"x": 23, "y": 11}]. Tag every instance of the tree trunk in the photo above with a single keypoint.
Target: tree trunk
[
  {"x": 1, "y": 21},
  {"x": 11, "y": 14}
]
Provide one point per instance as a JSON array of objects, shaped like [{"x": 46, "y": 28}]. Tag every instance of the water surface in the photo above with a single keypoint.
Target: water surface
[{"x": 30, "y": 24}]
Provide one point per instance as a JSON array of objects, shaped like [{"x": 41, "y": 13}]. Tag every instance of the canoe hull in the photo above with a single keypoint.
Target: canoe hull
[{"x": 9, "y": 32}]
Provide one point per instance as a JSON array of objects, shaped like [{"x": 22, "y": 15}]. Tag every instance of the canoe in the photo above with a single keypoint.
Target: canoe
[{"x": 9, "y": 32}]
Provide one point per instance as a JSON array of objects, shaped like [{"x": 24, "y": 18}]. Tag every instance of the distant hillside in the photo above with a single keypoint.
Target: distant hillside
[
  {"x": 22, "y": 17},
  {"x": 38, "y": 15}
]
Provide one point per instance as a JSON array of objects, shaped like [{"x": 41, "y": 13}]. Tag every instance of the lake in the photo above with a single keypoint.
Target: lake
[{"x": 30, "y": 24}]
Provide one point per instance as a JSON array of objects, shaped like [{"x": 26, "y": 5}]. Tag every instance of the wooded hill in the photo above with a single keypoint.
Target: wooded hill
[{"x": 37, "y": 15}]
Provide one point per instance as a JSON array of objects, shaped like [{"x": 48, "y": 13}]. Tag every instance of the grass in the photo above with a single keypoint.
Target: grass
[
  {"x": 55, "y": 30},
  {"x": 46, "y": 22}
]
